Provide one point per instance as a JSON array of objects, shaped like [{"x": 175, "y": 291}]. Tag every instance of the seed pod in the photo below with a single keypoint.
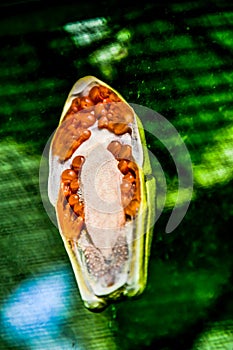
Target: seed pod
[{"x": 103, "y": 195}]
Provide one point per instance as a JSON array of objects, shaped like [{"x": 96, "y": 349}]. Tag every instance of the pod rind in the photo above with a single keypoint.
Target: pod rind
[{"x": 143, "y": 223}]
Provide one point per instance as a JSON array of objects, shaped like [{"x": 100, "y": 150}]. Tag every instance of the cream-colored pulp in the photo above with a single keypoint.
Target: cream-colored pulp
[{"x": 104, "y": 214}]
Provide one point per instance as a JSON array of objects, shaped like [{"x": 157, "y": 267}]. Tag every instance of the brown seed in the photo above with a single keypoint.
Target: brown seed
[
  {"x": 73, "y": 199},
  {"x": 75, "y": 105},
  {"x": 85, "y": 134},
  {"x": 136, "y": 194},
  {"x": 111, "y": 126},
  {"x": 125, "y": 200},
  {"x": 114, "y": 147},
  {"x": 72, "y": 120},
  {"x": 107, "y": 100},
  {"x": 114, "y": 97},
  {"x": 100, "y": 110},
  {"x": 77, "y": 163},
  {"x": 74, "y": 109},
  {"x": 87, "y": 119},
  {"x": 126, "y": 152},
  {"x": 129, "y": 177},
  {"x": 132, "y": 208},
  {"x": 133, "y": 166},
  {"x": 104, "y": 91},
  {"x": 64, "y": 156},
  {"x": 127, "y": 112},
  {"x": 76, "y": 135},
  {"x": 94, "y": 94},
  {"x": 109, "y": 116},
  {"x": 126, "y": 186},
  {"x": 114, "y": 107},
  {"x": 74, "y": 185},
  {"x": 107, "y": 105},
  {"x": 121, "y": 128},
  {"x": 78, "y": 209},
  {"x": 128, "y": 117},
  {"x": 117, "y": 114},
  {"x": 103, "y": 122},
  {"x": 63, "y": 142},
  {"x": 86, "y": 102},
  {"x": 123, "y": 166},
  {"x": 123, "y": 111},
  {"x": 72, "y": 128},
  {"x": 76, "y": 101},
  {"x": 68, "y": 175}
]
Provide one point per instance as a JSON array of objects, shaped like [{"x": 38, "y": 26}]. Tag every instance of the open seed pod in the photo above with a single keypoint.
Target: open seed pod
[{"x": 101, "y": 186}]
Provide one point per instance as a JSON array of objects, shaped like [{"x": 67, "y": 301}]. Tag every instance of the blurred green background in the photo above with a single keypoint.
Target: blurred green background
[{"x": 174, "y": 57}]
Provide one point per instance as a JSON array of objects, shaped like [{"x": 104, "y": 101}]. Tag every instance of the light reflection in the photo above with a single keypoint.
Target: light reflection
[
  {"x": 123, "y": 35},
  {"x": 84, "y": 33},
  {"x": 29, "y": 87},
  {"x": 157, "y": 26},
  {"x": 216, "y": 166},
  {"x": 29, "y": 105},
  {"x": 106, "y": 56},
  {"x": 179, "y": 198},
  {"x": 210, "y": 80},
  {"x": 34, "y": 313},
  {"x": 225, "y": 37},
  {"x": 112, "y": 52},
  {"x": 207, "y": 20},
  {"x": 217, "y": 161},
  {"x": 219, "y": 335}
]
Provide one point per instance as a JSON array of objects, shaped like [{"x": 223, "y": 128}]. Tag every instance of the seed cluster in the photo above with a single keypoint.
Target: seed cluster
[
  {"x": 101, "y": 105},
  {"x": 130, "y": 186},
  {"x": 98, "y": 266},
  {"x": 70, "y": 135},
  {"x": 120, "y": 252},
  {"x": 70, "y": 202},
  {"x": 94, "y": 261}
]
